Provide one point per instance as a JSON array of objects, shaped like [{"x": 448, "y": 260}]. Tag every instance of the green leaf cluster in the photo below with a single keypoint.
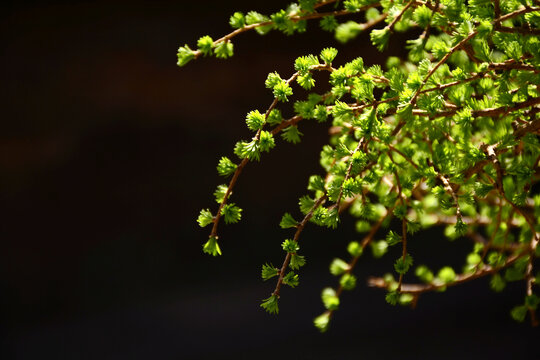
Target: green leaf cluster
[{"x": 443, "y": 138}]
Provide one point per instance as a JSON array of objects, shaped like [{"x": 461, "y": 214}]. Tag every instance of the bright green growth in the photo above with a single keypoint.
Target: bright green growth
[
  {"x": 338, "y": 267},
  {"x": 211, "y": 247},
  {"x": 392, "y": 238},
  {"x": 322, "y": 321},
  {"x": 330, "y": 299},
  {"x": 255, "y": 120},
  {"x": 297, "y": 261},
  {"x": 348, "y": 281},
  {"x": 205, "y": 218},
  {"x": 290, "y": 246},
  {"x": 231, "y": 213},
  {"x": 291, "y": 279},
  {"x": 424, "y": 274},
  {"x": 403, "y": 264},
  {"x": 328, "y": 55},
  {"x": 445, "y": 138},
  {"x": 185, "y": 55},
  {"x": 355, "y": 249},
  {"x": 271, "y": 304},
  {"x": 392, "y": 297},
  {"x": 220, "y": 193},
  {"x": 224, "y": 50},
  {"x": 226, "y": 167},
  {"x": 287, "y": 221},
  {"x": 291, "y": 134},
  {"x": 269, "y": 271},
  {"x": 447, "y": 274},
  {"x": 205, "y": 45}
]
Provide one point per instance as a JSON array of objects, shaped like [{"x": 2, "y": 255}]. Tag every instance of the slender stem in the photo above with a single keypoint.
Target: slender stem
[
  {"x": 450, "y": 189},
  {"x": 497, "y": 8},
  {"x": 348, "y": 172},
  {"x": 403, "y": 223},
  {"x": 244, "y": 162},
  {"x": 442, "y": 61},
  {"x": 228, "y": 37},
  {"x": 435, "y": 285},
  {"x": 299, "y": 230},
  {"x": 398, "y": 16},
  {"x": 365, "y": 242},
  {"x": 518, "y": 30},
  {"x": 529, "y": 278},
  {"x": 518, "y": 12},
  {"x": 532, "y": 127}
]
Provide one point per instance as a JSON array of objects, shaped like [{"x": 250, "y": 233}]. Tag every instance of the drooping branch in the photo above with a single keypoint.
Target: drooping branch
[
  {"x": 294, "y": 18},
  {"x": 243, "y": 163},
  {"x": 320, "y": 201},
  {"x": 417, "y": 289}
]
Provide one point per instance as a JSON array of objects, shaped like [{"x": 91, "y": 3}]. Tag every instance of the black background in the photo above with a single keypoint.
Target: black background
[{"x": 107, "y": 154}]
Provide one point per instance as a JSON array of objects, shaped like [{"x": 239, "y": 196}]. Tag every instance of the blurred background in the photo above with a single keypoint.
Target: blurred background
[{"x": 107, "y": 154}]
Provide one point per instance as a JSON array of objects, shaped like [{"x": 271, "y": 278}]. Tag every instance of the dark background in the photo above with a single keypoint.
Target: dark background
[{"x": 107, "y": 154}]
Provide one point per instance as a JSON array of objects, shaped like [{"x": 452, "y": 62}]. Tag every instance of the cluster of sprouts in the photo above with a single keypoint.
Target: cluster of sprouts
[{"x": 447, "y": 137}]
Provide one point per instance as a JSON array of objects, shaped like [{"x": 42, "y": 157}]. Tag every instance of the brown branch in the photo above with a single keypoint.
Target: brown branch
[
  {"x": 518, "y": 12},
  {"x": 509, "y": 65},
  {"x": 454, "y": 83},
  {"x": 365, "y": 242},
  {"x": 493, "y": 158},
  {"x": 437, "y": 284},
  {"x": 244, "y": 162},
  {"x": 299, "y": 230},
  {"x": 296, "y": 18},
  {"x": 512, "y": 247},
  {"x": 491, "y": 112},
  {"x": 398, "y": 16},
  {"x": 497, "y": 8},
  {"x": 425, "y": 33},
  {"x": 236, "y": 174},
  {"x": 530, "y": 278},
  {"x": 442, "y": 61},
  {"x": 403, "y": 223},
  {"x": 452, "y": 192},
  {"x": 489, "y": 244},
  {"x": 402, "y": 155},
  {"x": 348, "y": 172},
  {"x": 519, "y": 133},
  {"x": 519, "y": 30}
]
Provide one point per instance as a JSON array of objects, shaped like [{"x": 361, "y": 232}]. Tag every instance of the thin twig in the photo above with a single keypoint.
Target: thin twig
[
  {"x": 299, "y": 230},
  {"x": 295, "y": 18},
  {"x": 438, "y": 284}
]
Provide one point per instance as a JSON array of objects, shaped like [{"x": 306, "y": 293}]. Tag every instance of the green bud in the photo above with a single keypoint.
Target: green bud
[
  {"x": 338, "y": 267},
  {"x": 205, "y": 218},
  {"x": 237, "y": 20},
  {"x": 330, "y": 299},
  {"x": 355, "y": 249},
  {"x": 447, "y": 274},
  {"x": 287, "y": 221},
  {"x": 269, "y": 271},
  {"x": 224, "y": 49},
  {"x": 380, "y": 37},
  {"x": 211, "y": 247},
  {"x": 205, "y": 45},
  {"x": 328, "y": 55},
  {"x": 290, "y": 246},
  {"x": 185, "y": 55},
  {"x": 231, "y": 213},
  {"x": 518, "y": 313},
  {"x": 322, "y": 321},
  {"x": 271, "y": 304},
  {"x": 348, "y": 281}
]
